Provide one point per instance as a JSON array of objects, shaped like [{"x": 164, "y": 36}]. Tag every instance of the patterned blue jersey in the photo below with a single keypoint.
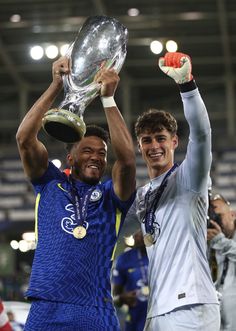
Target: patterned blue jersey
[
  {"x": 130, "y": 271},
  {"x": 66, "y": 269}
]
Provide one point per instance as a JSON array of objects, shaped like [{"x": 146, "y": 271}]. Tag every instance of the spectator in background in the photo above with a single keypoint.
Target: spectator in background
[
  {"x": 14, "y": 324},
  {"x": 4, "y": 321},
  {"x": 222, "y": 239},
  {"x": 130, "y": 283}
]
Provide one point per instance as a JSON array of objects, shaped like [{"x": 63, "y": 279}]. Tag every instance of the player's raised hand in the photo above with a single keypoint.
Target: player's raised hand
[
  {"x": 109, "y": 79},
  {"x": 177, "y": 66}
]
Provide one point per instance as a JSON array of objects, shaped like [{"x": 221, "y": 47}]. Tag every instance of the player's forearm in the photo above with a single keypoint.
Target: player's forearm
[
  {"x": 199, "y": 155},
  {"x": 32, "y": 121},
  {"x": 195, "y": 111},
  {"x": 121, "y": 139}
]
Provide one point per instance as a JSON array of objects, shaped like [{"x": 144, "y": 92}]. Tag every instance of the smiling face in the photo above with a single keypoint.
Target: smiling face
[
  {"x": 157, "y": 139},
  {"x": 157, "y": 150},
  {"x": 88, "y": 159}
]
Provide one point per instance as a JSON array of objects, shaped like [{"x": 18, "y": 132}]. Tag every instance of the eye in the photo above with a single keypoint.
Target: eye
[
  {"x": 161, "y": 138},
  {"x": 146, "y": 140},
  {"x": 86, "y": 150}
]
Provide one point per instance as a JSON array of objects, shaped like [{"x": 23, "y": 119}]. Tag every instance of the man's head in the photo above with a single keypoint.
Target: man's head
[
  {"x": 156, "y": 132},
  {"x": 138, "y": 239},
  {"x": 88, "y": 157},
  {"x": 222, "y": 208}
]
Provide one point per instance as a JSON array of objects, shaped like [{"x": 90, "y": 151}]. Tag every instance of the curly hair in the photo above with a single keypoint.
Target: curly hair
[
  {"x": 154, "y": 120},
  {"x": 92, "y": 130}
]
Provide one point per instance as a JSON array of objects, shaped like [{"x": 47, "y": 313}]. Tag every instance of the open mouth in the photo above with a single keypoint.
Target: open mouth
[
  {"x": 94, "y": 167},
  {"x": 155, "y": 155}
]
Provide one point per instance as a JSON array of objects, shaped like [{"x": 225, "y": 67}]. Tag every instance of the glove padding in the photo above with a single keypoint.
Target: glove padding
[{"x": 177, "y": 66}]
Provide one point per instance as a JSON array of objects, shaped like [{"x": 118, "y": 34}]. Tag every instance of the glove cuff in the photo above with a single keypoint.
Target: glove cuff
[{"x": 189, "y": 86}]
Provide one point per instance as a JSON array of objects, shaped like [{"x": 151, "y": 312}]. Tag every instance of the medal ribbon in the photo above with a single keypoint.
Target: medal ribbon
[
  {"x": 149, "y": 218},
  {"x": 80, "y": 202}
]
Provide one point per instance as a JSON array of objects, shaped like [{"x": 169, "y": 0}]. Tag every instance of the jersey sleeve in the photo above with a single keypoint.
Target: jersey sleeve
[
  {"x": 50, "y": 174},
  {"x": 123, "y": 206},
  {"x": 196, "y": 166}
]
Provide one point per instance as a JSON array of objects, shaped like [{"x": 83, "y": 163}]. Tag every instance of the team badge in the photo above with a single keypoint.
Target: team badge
[{"x": 96, "y": 195}]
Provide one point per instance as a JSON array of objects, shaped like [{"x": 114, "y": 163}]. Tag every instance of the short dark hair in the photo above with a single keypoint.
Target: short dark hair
[
  {"x": 92, "y": 130},
  {"x": 154, "y": 120}
]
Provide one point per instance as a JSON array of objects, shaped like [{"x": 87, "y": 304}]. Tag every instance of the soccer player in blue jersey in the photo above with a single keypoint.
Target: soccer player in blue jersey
[
  {"x": 78, "y": 218},
  {"x": 130, "y": 283},
  {"x": 172, "y": 209}
]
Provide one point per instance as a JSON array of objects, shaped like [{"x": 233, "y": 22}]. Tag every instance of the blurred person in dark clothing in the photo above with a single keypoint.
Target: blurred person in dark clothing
[{"x": 130, "y": 285}]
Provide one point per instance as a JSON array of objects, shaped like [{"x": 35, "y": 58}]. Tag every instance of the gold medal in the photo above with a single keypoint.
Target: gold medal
[
  {"x": 148, "y": 240},
  {"x": 79, "y": 232}
]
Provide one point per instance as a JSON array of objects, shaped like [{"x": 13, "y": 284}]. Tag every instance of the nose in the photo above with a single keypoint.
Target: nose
[
  {"x": 155, "y": 144},
  {"x": 95, "y": 157}
]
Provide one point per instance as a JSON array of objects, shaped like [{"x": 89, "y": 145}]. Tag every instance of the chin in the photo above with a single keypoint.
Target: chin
[{"x": 91, "y": 180}]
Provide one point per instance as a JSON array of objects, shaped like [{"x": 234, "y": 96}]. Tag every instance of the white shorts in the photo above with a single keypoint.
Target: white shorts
[{"x": 198, "y": 317}]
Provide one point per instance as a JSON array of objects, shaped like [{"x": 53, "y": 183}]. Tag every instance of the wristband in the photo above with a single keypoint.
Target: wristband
[
  {"x": 188, "y": 86},
  {"x": 108, "y": 102}
]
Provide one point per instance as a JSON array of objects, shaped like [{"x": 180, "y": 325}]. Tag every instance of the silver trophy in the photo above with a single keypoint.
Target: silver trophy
[{"x": 101, "y": 40}]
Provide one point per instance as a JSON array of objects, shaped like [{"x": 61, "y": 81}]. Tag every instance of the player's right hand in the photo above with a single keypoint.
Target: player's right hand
[{"x": 59, "y": 68}]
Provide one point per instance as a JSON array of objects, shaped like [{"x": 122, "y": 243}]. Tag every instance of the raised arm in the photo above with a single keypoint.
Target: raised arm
[
  {"x": 123, "y": 173},
  {"x": 33, "y": 153},
  {"x": 178, "y": 66}
]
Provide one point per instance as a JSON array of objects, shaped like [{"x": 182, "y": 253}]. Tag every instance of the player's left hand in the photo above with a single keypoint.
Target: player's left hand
[
  {"x": 109, "y": 79},
  {"x": 178, "y": 66}
]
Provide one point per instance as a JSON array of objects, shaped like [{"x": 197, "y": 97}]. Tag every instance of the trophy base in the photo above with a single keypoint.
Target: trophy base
[{"x": 63, "y": 125}]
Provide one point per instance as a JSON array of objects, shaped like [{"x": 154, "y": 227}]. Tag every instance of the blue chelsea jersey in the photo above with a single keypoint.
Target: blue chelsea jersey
[
  {"x": 66, "y": 269},
  {"x": 130, "y": 271}
]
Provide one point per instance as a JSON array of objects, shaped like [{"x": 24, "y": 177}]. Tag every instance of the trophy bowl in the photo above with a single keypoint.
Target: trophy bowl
[{"x": 102, "y": 40}]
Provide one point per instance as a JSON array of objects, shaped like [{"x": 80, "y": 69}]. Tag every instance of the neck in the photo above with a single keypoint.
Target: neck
[{"x": 156, "y": 172}]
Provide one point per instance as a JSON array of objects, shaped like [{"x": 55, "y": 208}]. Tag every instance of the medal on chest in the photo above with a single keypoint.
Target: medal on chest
[
  {"x": 148, "y": 240},
  {"x": 79, "y": 232},
  {"x": 80, "y": 203}
]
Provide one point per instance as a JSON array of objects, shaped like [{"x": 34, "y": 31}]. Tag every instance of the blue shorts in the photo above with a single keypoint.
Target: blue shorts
[{"x": 57, "y": 316}]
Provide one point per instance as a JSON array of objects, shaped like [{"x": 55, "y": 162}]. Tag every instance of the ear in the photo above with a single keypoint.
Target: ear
[
  {"x": 175, "y": 141},
  {"x": 69, "y": 160},
  {"x": 139, "y": 147}
]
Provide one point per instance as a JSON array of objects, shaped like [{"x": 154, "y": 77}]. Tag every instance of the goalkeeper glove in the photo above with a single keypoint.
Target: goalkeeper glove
[{"x": 177, "y": 66}]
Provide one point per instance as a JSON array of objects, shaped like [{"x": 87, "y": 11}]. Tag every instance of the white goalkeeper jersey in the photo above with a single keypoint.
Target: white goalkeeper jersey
[{"x": 179, "y": 272}]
